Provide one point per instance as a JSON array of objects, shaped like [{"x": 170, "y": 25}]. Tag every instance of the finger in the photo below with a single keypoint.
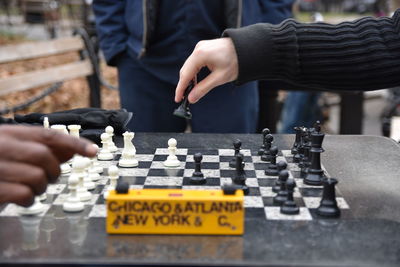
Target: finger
[
  {"x": 64, "y": 146},
  {"x": 188, "y": 73},
  {"x": 16, "y": 193},
  {"x": 32, "y": 153},
  {"x": 31, "y": 176},
  {"x": 203, "y": 87}
]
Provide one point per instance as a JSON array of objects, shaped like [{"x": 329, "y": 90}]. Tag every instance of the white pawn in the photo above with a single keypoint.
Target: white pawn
[
  {"x": 74, "y": 130},
  {"x": 113, "y": 176},
  {"x": 105, "y": 153},
  {"x": 36, "y": 208},
  {"x": 78, "y": 167},
  {"x": 172, "y": 159},
  {"x": 87, "y": 181},
  {"x": 65, "y": 167},
  {"x": 73, "y": 202},
  {"x": 96, "y": 166},
  {"x": 111, "y": 145},
  {"x": 128, "y": 153}
]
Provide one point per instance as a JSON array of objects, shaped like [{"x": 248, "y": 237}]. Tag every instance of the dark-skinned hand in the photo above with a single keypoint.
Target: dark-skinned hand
[{"x": 30, "y": 158}]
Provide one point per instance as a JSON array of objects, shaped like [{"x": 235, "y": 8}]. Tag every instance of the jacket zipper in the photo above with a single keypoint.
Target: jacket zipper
[
  {"x": 144, "y": 39},
  {"x": 239, "y": 17}
]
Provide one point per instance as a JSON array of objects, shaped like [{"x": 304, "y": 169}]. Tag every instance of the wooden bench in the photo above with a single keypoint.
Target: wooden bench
[{"x": 87, "y": 66}]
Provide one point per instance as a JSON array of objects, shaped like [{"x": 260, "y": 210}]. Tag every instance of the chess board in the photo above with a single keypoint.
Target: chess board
[{"x": 151, "y": 173}]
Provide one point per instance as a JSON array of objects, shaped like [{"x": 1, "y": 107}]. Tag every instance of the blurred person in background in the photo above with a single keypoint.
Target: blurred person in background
[{"x": 148, "y": 41}]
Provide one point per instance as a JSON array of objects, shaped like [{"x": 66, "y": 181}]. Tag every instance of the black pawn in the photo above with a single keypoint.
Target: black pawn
[
  {"x": 289, "y": 206},
  {"x": 282, "y": 194},
  {"x": 236, "y": 146},
  {"x": 282, "y": 165},
  {"x": 272, "y": 167},
  {"x": 240, "y": 175},
  {"x": 265, "y": 131},
  {"x": 198, "y": 176},
  {"x": 268, "y": 143},
  {"x": 296, "y": 144},
  {"x": 328, "y": 206}
]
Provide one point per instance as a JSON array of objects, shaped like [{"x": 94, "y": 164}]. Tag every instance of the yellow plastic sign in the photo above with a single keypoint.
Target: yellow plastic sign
[{"x": 175, "y": 211}]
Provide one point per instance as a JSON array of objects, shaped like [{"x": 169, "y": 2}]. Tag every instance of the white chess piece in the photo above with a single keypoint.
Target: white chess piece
[
  {"x": 111, "y": 145},
  {"x": 113, "y": 176},
  {"x": 36, "y": 208},
  {"x": 65, "y": 167},
  {"x": 172, "y": 159},
  {"x": 78, "y": 167},
  {"x": 96, "y": 166},
  {"x": 43, "y": 196},
  {"x": 105, "y": 153},
  {"x": 74, "y": 130},
  {"x": 46, "y": 123},
  {"x": 128, "y": 153},
  {"x": 73, "y": 202},
  {"x": 87, "y": 180}
]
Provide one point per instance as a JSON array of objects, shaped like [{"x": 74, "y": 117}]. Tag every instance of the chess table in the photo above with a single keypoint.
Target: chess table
[{"x": 368, "y": 233}]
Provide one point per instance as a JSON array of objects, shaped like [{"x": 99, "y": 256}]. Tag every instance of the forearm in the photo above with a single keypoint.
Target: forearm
[{"x": 359, "y": 55}]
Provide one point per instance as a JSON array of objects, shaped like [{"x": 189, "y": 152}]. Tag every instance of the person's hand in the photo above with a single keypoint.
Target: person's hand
[
  {"x": 30, "y": 158},
  {"x": 219, "y": 56}
]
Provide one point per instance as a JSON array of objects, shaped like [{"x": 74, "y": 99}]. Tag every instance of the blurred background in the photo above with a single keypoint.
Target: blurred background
[{"x": 34, "y": 20}]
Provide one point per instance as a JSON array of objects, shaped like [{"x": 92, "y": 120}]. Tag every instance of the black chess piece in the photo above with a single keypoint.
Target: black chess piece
[
  {"x": 315, "y": 173},
  {"x": 282, "y": 194},
  {"x": 265, "y": 131},
  {"x": 183, "y": 110},
  {"x": 122, "y": 187},
  {"x": 236, "y": 146},
  {"x": 328, "y": 206},
  {"x": 290, "y": 206},
  {"x": 272, "y": 169},
  {"x": 268, "y": 143},
  {"x": 305, "y": 161},
  {"x": 198, "y": 176},
  {"x": 300, "y": 148},
  {"x": 240, "y": 175},
  {"x": 282, "y": 165},
  {"x": 229, "y": 189},
  {"x": 294, "y": 150}
]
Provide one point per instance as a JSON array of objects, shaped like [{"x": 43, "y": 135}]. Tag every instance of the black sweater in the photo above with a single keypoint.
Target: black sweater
[{"x": 359, "y": 55}]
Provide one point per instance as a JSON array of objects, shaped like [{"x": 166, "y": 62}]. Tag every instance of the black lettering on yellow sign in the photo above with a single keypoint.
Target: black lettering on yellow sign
[
  {"x": 130, "y": 219},
  {"x": 139, "y": 206},
  {"x": 215, "y": 207},
  {"x": 168, "y": 220}
]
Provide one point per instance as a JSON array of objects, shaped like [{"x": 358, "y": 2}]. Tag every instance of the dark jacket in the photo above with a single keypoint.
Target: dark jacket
[{"x": 120, "y": 25}]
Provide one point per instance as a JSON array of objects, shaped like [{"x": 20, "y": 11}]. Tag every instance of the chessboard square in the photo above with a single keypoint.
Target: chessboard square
[
  {"x": 257, "y": 159},
  {"x": 204, "y": 165},
  {"x": 164, "y": 181},
  {"x": 98, "y": 211},
  {"x": 55, "y": 189},
  {"x": 165, "y": 151},
  {"x": 257, "y": 212},
  {"x": 226, "y": 152},
  {"x": 295, "y": 174},
  {"x": 267, "y": 192},
  {"x": 192, "y": 151},
  {"x": 143, "y": 165},
  {"x": 280, "y": 158},
  {"x": 201, "y": 187},
  {"x": 166, "y": 172},
  {"x": 252, "y": 182},
  {"x": 160, "y": 157},
  {"x": 136, "y": 186},
  {"x": 103, "y": 180},
  {"x": 266, "y": 182},
  {"x": 314, "y": 202},
  {"x": 311, "y": 192},
  {"x": 206, "y": 172},
  {"x": 106, "y": 164},
  {"x": 254, "y": 191},
  {"x": 133, "y": 172},
  {"x": 224, "y": 166},
  {"x": 246, "y": 152},
  {"x": 206, "y": 158},
  {"x": 293, "y": 167},
  {"x": 11, "y": 210},
  {"x": 144, "y": 157},
  {"x": 300, "y": 184},
  {"x": 261, "y": 174},
  {"x": 253, "y": 202},
  {"x": 225, "y": 181},
  {"x": 160, "y": 165},
  {"x": 63, "y": 197},
  {"x": 273, "y": 213},
  {"x": 231, "y": 173},
  {"x": 286, "y": 153},
  {"x": 162, "y": 187},
  {"x": 249, "y": 166}
]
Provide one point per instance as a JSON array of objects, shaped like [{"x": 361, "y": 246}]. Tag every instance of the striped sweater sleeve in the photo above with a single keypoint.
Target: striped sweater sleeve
[{"x": 359, "y": 55}]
